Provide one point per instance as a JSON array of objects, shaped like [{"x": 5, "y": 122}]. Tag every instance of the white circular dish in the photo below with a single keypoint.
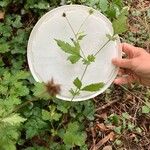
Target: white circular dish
[{"x": 46, "y": 60}]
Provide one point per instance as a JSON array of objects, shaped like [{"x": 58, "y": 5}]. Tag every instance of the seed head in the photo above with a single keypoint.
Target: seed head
[
  {"x": 52, "y": 88},
  {"x": 64, "y": 14}
]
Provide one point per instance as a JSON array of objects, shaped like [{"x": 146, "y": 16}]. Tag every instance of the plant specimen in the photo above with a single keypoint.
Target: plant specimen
[{"x": 76, "y": 53}]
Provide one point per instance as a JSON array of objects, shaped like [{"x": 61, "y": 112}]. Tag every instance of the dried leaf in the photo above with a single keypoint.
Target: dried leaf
[
  {"x": 102, "y": 127},
  {"x": 110, "y": 136},
  {"x": 107, "y": 147}
]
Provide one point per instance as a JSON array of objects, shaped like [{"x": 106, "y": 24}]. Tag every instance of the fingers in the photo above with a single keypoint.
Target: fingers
[
  {"x": 130, "y": 50},
  {"x": 127, "y": 48},
  {"x": 124, "y": 80},
  {"x": 123, "y": 63}
]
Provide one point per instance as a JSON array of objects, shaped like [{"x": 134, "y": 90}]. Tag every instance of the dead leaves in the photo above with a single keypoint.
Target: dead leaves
[
  {"x": 2, "y": 15},
  {"x": 107, "y": 147},
  {"x": 104, "y": 128},
  {"x": 103, "y": 141},
  {"x": 110, "y": 136}
]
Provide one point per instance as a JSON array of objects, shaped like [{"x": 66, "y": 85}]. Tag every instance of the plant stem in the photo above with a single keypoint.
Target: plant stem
[
  {"x": 84, "y": 72},
  {"x": 82, "y": 24},
  {"x": 26, "y": 103},
  {"x": 102, "y": 47},
  {"x": 75, "y": 35},
  {"x": 78, "y": 90},
  {"x": 23, "y": 104}
]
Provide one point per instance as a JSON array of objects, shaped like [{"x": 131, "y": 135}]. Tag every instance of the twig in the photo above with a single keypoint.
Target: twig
[
  {"x": 107, "y": 105},
  {"x": 135, "y": 114},
  {"x": 124, "y": 88}
]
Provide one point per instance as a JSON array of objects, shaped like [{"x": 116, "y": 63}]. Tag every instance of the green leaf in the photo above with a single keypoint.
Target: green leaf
[
  {"x": 13, "y": 119},
  {"x": 111, "y": 38},
  {"x": 81, "y": 37},
  {"x": 131, "y": 126},
  {"x": 114, "y": 118},
  {"x": 21, "y": 75},
  {"x": 51, "y": 115},
  {"x": 118, "y": 142},
  {"x": 73, "y": 136},
  {"x": 145, "y": 110},
  {"x": 103, "y": 5},
  {"x": 45, "y": 115},
  {"x": 4, "y": 47},
  {"x": 35, "y": 124},
  {"x": 67, "y": 48},
  {"x": 93, "y": 87},
  {"x": 74, "y": 58},
  {"x": 126, "y": 115},
  {"x": 40, "y": 91},
  {"x": 77, "y": 82},
  {"x": 89, "y": 60},
  {"x": 118, "y": 129},
  {"x": 120, "y": 24},
  {"x": 73, "y": 50}
]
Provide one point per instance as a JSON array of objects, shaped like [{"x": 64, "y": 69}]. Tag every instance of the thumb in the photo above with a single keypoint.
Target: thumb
[{"x": 123, "y": 63}]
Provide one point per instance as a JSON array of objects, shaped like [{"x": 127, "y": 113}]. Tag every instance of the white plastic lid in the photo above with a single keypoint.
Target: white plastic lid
[{"x": 46, "y": 59}]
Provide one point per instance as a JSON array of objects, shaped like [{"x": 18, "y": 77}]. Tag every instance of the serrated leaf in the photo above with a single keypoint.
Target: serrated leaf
[
  {"x": 67, "y": 48},
  {"x": 73, "y": 50},
  {"x": 40, "y": 91},
  {"x": 4, "y": 47},
  {"x": 21, "y": 75},
  {"x": 77, "y": 82},
  {"x": 91, "y": 58},
  {"x": 74, "y": 58},
  {"x": 73, "y": 136},
  {"x": 103, "y": 5},
  {"x": 145, "y": 110},
  {"x": 120, "y": 24},
  {"x": 51, "y": 115},
  {"x": 13, "y": 119},
  {"x": 45, "y": 115},
  {"x": 93, "y": 87},
  {"x": 35, "y": 124}
]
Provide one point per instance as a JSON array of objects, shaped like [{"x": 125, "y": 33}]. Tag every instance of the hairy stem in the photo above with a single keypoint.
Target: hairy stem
[
  {"x": 78, "y": 90},
  {"x": 102, "y": 47},
  {"x": 82, "y": 24},
  {"x": 75, "y": 35}
]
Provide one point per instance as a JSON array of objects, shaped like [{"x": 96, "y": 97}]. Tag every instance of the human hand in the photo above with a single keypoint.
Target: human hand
[{"x": 134, "y": 68}]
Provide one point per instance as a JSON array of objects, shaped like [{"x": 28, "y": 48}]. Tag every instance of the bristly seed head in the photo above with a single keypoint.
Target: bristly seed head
[
  {"x": 91, "y": 11},
  {"x": 52, "y": 88},
  {"x": 64, "y": 14}
]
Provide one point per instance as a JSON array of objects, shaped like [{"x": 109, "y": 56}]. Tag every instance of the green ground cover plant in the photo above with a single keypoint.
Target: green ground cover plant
[{"x": 31, "y": 117}]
